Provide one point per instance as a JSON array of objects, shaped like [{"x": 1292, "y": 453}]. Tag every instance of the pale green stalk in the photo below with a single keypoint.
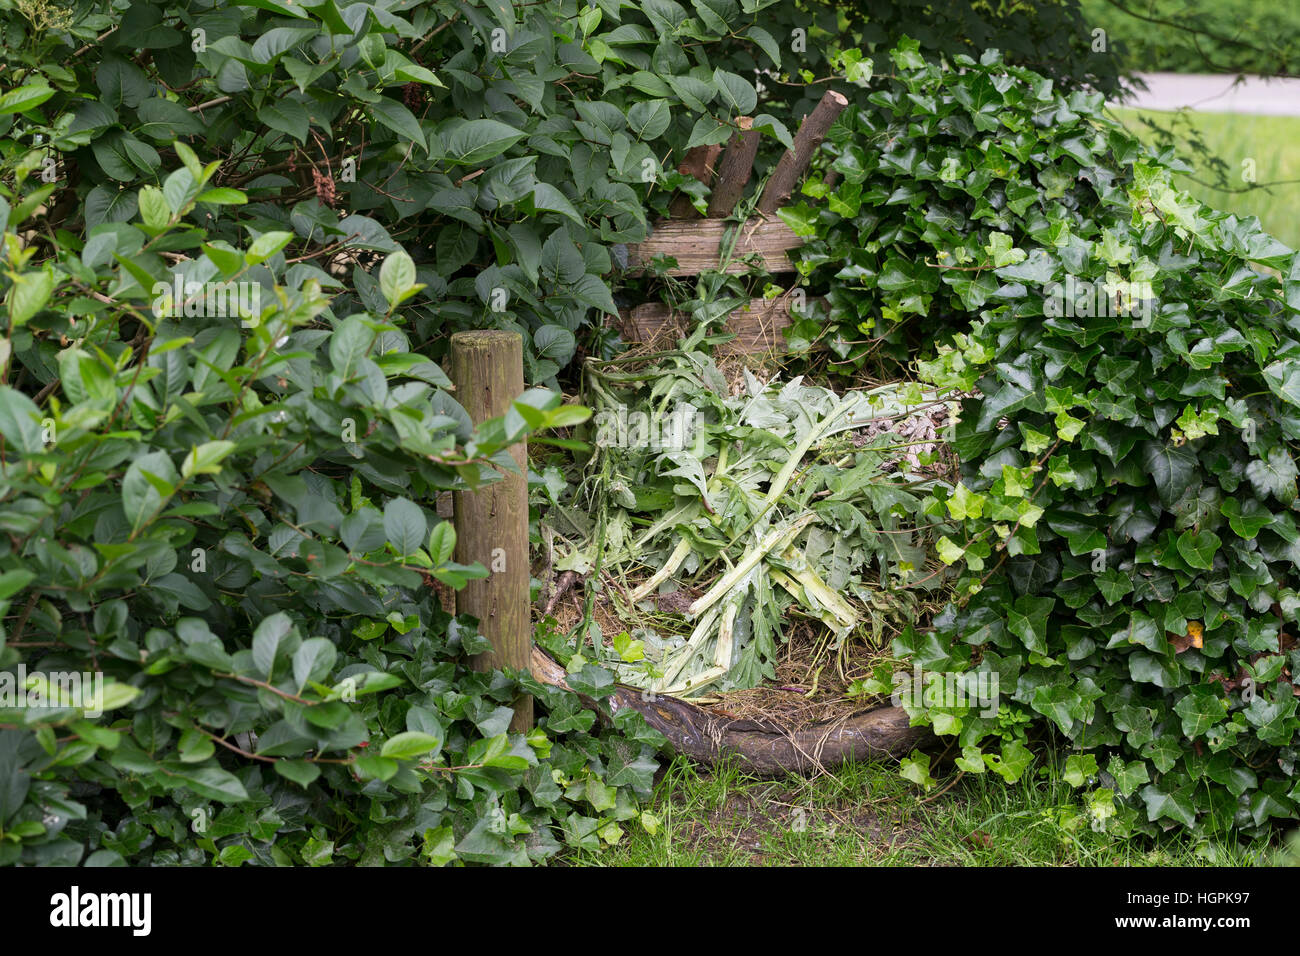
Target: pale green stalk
[
  {"x": 663, "y": 574},
  {"x": 770, "y": 541}
]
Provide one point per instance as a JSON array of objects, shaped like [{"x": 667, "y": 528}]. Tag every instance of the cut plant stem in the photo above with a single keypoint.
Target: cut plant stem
[
  {"x": 696, "y": 682},
  {"x": 777, "y": 488},
  {"x": 663, "y": 574},
  {"x": 829, "y": 599},
  {"x": 775, "y": 538},
  {"x": 726, "y": 636},
  {"x": 687, "y": 652}
]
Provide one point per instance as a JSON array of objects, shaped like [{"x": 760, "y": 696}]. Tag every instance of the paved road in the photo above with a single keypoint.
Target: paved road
[{"x": 1214, "y": 93}]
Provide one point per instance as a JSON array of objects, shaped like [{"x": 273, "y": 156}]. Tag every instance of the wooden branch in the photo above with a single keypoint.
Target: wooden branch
[
  {"x": 792, "y": 166},
  {"x": 766, "y": 748},
  {"x": 696, "y": 246},
  {"x": 757, "y": 327},
  {"x": 492, "y": 522},
  {"x": 734, "y": 170},
  {"x": 700, "y": 162}
]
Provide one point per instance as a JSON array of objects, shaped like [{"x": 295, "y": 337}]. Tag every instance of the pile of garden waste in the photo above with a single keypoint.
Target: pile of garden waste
[{"x": 714, "y": 517}]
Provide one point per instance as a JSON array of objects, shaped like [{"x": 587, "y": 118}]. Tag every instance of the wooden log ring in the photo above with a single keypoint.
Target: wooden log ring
[{"x": 763, "y": 747}]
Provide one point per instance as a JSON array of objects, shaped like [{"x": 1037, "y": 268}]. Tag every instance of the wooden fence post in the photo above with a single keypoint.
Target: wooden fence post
[{"x": 492, "y": 523}]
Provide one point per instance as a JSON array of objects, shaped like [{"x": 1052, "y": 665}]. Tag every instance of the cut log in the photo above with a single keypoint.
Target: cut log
[
  {"x": 700, "y": 162},
  {"x": 757, "y": 327},
  {"x": 765, "y": 748},
  {"x": 791, "y": 167},
  {"x": 734, "y": 170},
  {"x": 696, "y": 246}
]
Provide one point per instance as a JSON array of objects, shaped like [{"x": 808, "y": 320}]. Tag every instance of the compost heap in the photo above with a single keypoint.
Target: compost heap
[{"x": 716, "y": 519}]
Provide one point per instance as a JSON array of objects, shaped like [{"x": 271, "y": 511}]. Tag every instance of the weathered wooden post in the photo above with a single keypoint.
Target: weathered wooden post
[{"x": 487, "y": 369}]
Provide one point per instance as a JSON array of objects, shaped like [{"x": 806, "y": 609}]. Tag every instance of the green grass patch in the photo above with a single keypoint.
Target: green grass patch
[
  {"x": 1269, "y": 141},
  {"x": 866, "y": 815}
]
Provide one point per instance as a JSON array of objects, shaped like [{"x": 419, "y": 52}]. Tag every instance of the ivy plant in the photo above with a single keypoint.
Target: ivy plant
[{"x": 1123, "y": 540}]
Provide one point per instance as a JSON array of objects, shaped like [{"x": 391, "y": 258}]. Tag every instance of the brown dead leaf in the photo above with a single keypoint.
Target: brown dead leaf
[{"x": 1193, "y": 638}]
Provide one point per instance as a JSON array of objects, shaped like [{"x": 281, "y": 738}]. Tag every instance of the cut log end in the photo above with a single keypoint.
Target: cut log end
[{"x": 794, "y": 163}]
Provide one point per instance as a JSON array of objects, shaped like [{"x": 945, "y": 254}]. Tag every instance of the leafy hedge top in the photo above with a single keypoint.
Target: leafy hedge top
[
  {"x": 510, "y": 147},
  {"x": 1124, "y": 536}
]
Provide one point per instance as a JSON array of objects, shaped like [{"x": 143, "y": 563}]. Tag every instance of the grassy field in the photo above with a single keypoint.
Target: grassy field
[
  {"x": 866, "y": 815},
  {"x": 1273, "y": 142}
]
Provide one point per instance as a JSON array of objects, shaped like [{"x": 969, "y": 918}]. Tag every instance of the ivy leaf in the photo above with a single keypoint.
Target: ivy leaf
[
  {"x": 1174, "y": 805},
  {"x": 1198, "y": 550},
  {"x": 1247, "y": 518},
  {"x": 1011, "y": 762},
  {"x": 1200, "y": 709},
  {"x": 916, "y": 768},
  {"x": 1274, "y": 475},
  {"x": 1283, "y": 379},
  {"x": 1027, "y": 619},
  {"x": 1060, "y": 703},
  {"x": 1128, "y": 775},
  {"x": 1079, "y": 769},
  {"x": 1173, "y": 468}
]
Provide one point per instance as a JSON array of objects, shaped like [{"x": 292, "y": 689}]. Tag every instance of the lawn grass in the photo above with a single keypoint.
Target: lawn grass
[
  {"x": 867, "y": 815},
  {"x": 1273, "y": 142}
]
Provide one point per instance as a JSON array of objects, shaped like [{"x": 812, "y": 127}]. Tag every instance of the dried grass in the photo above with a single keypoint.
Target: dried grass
[{"x": 808, "y": 688}]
